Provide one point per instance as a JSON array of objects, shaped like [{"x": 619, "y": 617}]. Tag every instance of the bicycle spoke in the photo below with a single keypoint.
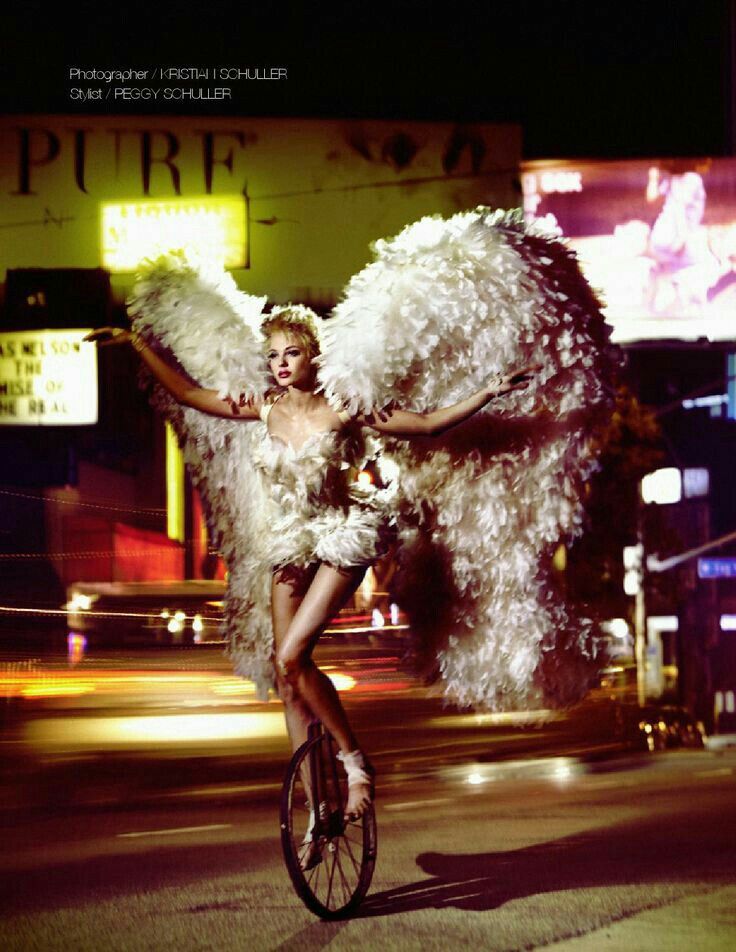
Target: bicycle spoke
[
  {"x": 358, "y": 844},
  {"x": 346, "y": 889},
  {"x": 347, "y": 894},
  {"x": 332, "y": 876},
  {"x": 310, "y": 876},
  {"x": 356, "y": 866},
  {"x": 357, "y": 832},
  {"x": 318, "y": 868}
]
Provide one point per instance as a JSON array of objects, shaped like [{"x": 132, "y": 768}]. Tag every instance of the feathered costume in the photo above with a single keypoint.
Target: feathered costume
[
  {"x": 315, "y": 510},
  {"x": 444, "y": 306}
]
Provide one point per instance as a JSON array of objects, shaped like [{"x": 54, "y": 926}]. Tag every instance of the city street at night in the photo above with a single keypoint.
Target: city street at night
[
  {"x": 616, "y": 858},
  {"x": 142, "y": 812},
  {"x": 367, "y": 499},
  {"x": 124, "y": 727}
]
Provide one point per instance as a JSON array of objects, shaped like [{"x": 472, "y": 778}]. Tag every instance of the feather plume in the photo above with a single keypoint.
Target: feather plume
[{"x": 443, "y": 306}]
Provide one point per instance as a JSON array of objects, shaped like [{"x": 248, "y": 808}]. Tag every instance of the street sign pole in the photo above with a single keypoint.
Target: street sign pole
[{"x": 640, "y": 612}]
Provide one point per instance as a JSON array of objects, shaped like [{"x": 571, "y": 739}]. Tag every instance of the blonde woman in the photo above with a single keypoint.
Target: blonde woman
[{"x": 323, "y": 529}]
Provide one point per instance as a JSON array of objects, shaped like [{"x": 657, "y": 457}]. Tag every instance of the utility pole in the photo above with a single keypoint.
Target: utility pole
[
  {"x": 730, "y": 78},
  {"x": 640, "y": 611}
]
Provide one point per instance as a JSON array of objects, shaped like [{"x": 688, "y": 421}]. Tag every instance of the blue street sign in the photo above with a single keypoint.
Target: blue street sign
[
  {"x": 731, "y": 386},
  {"x": 717, "y": 568}
]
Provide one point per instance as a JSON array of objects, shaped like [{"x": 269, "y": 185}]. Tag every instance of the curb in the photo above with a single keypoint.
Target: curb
[{"x": 718, "y": 742}]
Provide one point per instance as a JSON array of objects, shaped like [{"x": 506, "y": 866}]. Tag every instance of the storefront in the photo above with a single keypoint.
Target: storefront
[{"x": 289, "y": 206}]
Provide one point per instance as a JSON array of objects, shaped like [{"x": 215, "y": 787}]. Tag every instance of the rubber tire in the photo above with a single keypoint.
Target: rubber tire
[{"x": 291, "y": 857}]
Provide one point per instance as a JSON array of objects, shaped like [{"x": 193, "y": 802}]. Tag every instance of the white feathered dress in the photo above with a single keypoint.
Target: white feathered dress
[{"x": 315, "y": 510}]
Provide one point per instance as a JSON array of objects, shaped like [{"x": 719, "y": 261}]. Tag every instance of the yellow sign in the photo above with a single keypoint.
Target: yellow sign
[
  {"x": 47, "y": 377},
  {"x": 211, "y": 227},
  {"x": 174, "y": 486}
]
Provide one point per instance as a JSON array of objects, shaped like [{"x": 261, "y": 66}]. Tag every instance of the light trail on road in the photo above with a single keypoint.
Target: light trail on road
[{"x": 176, "y": 830}]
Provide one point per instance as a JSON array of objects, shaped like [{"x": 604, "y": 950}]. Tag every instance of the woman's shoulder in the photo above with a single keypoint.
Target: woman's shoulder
[
  {"x": 272, "y": 395},
  {"x": 343, "y": 415},
  {"x": 267, "y": 403}
]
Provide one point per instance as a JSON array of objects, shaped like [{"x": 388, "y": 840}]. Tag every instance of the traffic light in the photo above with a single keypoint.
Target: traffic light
[{"x": 633, "y": 568}]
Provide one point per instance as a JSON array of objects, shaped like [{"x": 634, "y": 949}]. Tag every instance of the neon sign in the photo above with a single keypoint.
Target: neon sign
[{"x": 211, "y": 228}]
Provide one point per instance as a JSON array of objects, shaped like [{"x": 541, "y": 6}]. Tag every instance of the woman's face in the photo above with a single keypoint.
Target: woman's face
[{"x": 289, "y": 361}]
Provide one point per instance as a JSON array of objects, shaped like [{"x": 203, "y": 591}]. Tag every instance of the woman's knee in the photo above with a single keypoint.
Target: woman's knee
[
  {"x": 289, "y": 667},
  {"x": 285, "y": 691}
]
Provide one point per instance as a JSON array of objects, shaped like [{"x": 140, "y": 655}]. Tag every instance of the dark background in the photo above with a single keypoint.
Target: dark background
[
  {"x": 583, "y": 78},
  {"x": 645, "y": 78}
]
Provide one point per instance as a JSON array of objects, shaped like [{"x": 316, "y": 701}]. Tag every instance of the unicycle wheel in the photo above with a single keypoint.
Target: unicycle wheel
[{"x": 330, "y": 861}]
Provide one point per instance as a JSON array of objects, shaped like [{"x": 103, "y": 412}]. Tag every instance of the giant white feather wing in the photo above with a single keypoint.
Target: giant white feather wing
[
  {"x": 443, "y": 306},
  {"x": 198, "y": 317},
  {"x": 196, "y": 311}
]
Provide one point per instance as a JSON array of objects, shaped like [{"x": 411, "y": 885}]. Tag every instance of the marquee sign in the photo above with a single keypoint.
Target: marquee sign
[{"x": 47, "y": 377}]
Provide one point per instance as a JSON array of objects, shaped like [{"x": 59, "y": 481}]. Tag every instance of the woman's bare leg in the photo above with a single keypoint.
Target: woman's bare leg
[
  {"x": 328, "y": 591},
  {"x": 286, "y": 596},
  {"x": 285, "y": 600}
]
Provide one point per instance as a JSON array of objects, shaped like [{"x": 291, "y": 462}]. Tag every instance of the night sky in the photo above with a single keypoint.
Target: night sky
[{"x": 583, "y": 77}]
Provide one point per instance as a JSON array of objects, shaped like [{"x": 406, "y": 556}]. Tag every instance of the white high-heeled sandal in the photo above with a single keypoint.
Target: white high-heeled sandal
[{"x": 360, "y": 771}]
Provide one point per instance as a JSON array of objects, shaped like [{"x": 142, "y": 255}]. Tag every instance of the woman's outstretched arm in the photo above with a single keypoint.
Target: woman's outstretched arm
[
  {"x": 180, "y": 388},
  {"x": 408, "y": 423}
]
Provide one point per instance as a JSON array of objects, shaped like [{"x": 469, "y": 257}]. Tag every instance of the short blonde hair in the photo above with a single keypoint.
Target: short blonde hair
[{"x": 297, "y": 322}]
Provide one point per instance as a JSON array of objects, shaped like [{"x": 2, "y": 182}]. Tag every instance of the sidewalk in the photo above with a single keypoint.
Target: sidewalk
[
  {"x": 720, "y": 742},
  {"x": 702, "y": 923}
]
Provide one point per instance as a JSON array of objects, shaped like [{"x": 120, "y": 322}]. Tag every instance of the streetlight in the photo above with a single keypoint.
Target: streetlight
[{"x": 661, "y": 487}]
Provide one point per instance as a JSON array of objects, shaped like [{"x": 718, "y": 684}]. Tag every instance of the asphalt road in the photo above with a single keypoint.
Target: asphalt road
[
  {"x": 133, "y": 728},
  {"x": 138, "y": 810},
  {"x": 639, "y": 855}
]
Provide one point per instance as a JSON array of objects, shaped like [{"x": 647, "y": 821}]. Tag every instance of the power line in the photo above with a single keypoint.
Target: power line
[{"x": 84, "y": 505}]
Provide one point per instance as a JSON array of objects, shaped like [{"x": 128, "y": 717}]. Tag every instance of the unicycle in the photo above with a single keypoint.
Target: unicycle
[{"x": 330, "y": 861}]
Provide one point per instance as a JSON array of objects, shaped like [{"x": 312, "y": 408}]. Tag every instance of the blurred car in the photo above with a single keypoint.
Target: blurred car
[
  {"x": 159, "y": 613},
  {"x": 658, "y": 727},
  {"x": 190, "y": 613}
]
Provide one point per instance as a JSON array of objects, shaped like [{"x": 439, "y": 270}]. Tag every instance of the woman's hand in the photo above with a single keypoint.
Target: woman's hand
[
  {"x": 406, "y": 424},
  {"x": 112, "y": 335},
  {"x": 516, "y": 380},
  {"x": 117, "y": 335},
  {"x": 180, "y": 387}
]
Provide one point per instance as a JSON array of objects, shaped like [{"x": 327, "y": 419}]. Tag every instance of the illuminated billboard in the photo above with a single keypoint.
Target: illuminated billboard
[
  {"x": 47, "y": 377},
  {"x": 656, "y": 238},
  {"x": 211, "y": 227}
]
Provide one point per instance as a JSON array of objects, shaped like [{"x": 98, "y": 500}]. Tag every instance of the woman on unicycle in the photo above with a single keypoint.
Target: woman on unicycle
[
  {"x": 418, "y": 344},
  {"x": 324, "y": 529}
]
